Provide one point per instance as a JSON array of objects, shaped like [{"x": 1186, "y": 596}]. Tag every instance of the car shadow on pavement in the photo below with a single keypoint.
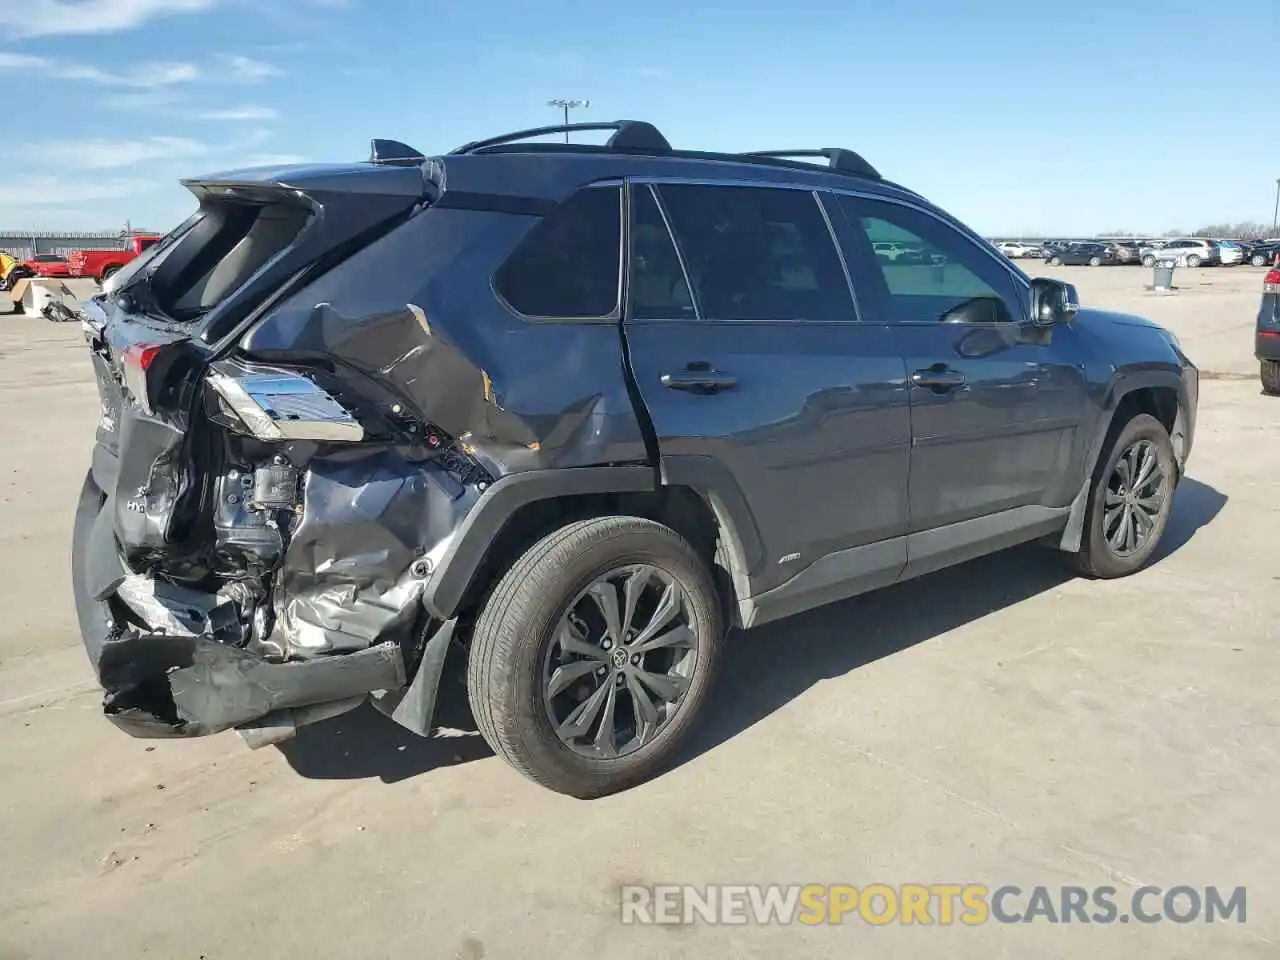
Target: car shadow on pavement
[
  {"x": 762, "y": 670},
  {"x": 1195, "y": 504},
  {"x": 364, "y": 743}
]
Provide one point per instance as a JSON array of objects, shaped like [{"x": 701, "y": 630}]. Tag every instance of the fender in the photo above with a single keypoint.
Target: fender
[
  {"x": 1124, "y": 383},
  {"x": 469, "y": 543},
  {"x": 742, "y": 549}
]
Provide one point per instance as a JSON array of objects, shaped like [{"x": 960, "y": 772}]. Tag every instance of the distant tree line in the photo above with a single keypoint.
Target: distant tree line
[{"x": 1239, "y": 231}]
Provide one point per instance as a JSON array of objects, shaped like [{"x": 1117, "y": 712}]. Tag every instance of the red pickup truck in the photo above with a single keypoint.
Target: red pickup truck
[{"x": 100, "y": 264}]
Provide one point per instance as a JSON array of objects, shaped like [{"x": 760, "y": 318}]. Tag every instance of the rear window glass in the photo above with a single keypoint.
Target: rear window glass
[
  {"x": 241, "y": 239},
  {"x": 569, "y": 265}
]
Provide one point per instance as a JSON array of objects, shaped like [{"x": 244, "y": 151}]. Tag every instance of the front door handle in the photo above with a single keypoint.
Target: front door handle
[
  {"x": 700, "y": 381},
  {"x": 938, "y": 378}
]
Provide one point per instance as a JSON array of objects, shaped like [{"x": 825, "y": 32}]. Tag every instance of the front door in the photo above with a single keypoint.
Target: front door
[
  {"x": 996, "y": 403},
  {"x": 762, "y": 384}
]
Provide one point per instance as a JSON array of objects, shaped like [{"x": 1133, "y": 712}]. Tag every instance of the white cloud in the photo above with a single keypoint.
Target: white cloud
[
  {"x": 46, "y": 18},
  {"x": 100, "y": 153},
  {"x": 39, "y": 191},
  {"x": 242, "y": 114},
  {"x": 144, "y": 76},
  {"x": 141, "y": 100},
  {"x": 247, "y": 70}
]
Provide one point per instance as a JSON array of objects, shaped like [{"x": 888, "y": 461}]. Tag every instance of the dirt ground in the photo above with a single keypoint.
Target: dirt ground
[{"x": 999, "y": 723}]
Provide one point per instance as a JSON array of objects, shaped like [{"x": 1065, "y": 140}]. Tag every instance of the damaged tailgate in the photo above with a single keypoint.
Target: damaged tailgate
[{"x": 213, "y": 585}]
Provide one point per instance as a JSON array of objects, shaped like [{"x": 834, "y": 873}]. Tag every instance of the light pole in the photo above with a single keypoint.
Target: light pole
[
  {"x": 567, "y": 105},
  {"x": 1275, "y": 216}
]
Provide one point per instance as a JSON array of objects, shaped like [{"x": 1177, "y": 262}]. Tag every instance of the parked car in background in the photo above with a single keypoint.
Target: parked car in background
[
  {"x": 1083, "y": 252},
  {"x": 1267, "y": 338},
  {"x": 1017, "y": 249},
  {"x": 890, "y": 250},
  {"x": 1185, "y": 251},
  {"x": 1127, "y": 250},
  {"x": 41, "y": 265},
  {"x": 101, "y": 264},
  {"x": 1230, "y": 252},
  {"x": 1262, "y": 253}
]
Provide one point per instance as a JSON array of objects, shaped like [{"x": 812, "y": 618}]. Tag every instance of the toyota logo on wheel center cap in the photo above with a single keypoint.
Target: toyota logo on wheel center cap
[{"x": 619, "y": 656}]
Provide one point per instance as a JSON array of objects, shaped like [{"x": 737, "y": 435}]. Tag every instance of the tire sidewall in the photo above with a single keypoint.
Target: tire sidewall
[
  {"x": 1104, "y": 562},
  {"x": 658, "y": 547},
  {"x": 1269, "y": 374}
]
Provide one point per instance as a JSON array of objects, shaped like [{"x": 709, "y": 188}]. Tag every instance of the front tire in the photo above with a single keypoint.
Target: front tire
[
  {"x": 1095, "y": 261},
  {"x": 1258, "y": 260},
  {"x": 1129, "y": 503},
  {"x": 1270, "y": 374},
  {"x": 1056, "y": 261},
  {"x": 108, "y": 273},
  {"x": 1148, "y": 261},
  {"x": 594, "y": 655}
]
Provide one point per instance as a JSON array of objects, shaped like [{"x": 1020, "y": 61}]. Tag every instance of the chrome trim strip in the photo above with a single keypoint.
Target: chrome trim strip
[{"x": 844, "y": 264}]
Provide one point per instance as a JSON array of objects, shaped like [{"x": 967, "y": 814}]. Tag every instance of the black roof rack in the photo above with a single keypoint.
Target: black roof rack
[
  {"x": 394, "y": 153},
  {"x": 628, "y": 135},
  {"x": 844, "y": 161}
]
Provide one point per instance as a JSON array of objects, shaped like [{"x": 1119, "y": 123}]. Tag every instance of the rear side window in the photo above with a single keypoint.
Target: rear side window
[
  {"x": 756, "y": 253},
  {"x": 570, "y": 264}
]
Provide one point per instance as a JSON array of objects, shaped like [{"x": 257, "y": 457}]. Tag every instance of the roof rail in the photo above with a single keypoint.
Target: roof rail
[
  {"x": 394, "y": 153},
  {"x": 839, "y": 159},
  {"x": 628, "y": 135}
]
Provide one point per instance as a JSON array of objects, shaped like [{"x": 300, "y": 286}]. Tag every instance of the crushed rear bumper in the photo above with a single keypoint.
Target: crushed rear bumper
[{"x": 167, "y": 685}]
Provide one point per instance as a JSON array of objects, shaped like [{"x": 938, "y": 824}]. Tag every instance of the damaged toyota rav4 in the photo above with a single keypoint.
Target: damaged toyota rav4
[{"x": 574, "y": 411}]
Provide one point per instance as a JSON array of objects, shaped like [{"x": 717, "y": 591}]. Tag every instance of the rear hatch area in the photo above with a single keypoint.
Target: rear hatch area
[{"x": 248, "y": 540}]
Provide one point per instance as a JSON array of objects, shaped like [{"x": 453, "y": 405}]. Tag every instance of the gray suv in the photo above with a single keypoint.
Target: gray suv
[{"x": 568, "y": 413}]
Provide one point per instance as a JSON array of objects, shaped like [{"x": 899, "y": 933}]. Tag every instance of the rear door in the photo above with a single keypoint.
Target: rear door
[
  {"x": 763, "y": 387},
  {"x": 995, "y": 403}
]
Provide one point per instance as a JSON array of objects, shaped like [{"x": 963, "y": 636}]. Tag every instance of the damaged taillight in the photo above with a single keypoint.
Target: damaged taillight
[
  {"x": 135, "y": 360},
  {"x": 278, "y": 404}
]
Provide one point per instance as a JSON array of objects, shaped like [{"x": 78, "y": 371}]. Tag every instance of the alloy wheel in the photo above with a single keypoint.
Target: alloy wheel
[
  {"x": 1136, "y": 495},
  {"x": 620, "y": 662}
]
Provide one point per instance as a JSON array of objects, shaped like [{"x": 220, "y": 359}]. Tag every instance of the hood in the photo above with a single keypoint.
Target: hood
[{"x": 1090, "y": 317}]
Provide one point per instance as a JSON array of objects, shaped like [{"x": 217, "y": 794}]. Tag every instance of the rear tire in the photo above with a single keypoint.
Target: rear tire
[
  {"x": 1106, "y": 548},
  {"x": 1193, "y": 261},
  {"x": 108, "y": 273},
  {"x": 1258, "y": 260},
  {"x": 1270, "y": 374},
  {"x": 542, "y": 652},
  {"x": 1095, "y": 261},
  {"x": 1148, "y": 261}
]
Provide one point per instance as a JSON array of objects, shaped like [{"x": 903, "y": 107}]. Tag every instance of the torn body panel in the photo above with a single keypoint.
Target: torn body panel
[
  {"x": 292, "y": 451},
  {"x": 415, "y": 311},
  {"x": 354, "y": 570}
]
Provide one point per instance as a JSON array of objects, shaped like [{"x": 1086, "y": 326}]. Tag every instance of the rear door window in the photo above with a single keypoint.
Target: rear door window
[
  {"x": 658, "y": 288},
  {"x": 758, "y": 253},
  {"x": 569, "y": 265}
]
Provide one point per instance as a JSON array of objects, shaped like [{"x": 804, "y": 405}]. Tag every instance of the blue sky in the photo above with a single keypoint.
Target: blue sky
[{"x": 1067, "y": 117}]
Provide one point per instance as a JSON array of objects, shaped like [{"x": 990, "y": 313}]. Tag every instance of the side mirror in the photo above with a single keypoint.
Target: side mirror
[{"x": 1052, "y": 302}]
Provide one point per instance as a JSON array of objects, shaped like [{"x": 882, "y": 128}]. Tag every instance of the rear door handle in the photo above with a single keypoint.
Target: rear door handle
[
  {"x": 938, "y": 378},
  {"x": 704, "y": 381}
]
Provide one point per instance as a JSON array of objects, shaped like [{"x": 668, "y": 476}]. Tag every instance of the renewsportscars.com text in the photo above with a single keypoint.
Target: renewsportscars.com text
[{"x": 942, "y": 904}]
